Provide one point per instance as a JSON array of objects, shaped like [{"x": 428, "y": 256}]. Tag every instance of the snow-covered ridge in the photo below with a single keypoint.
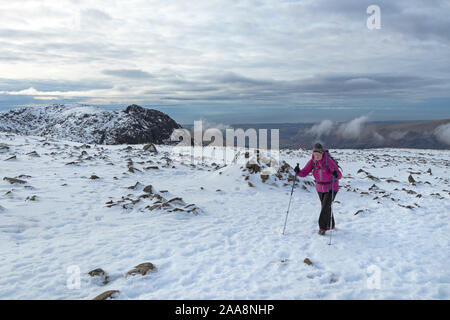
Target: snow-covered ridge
[{"x": 88, "y": 124}]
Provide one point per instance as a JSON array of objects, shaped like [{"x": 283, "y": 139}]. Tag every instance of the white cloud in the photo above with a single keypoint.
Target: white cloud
[
  {"x": 352, "y": 129},
  {"x": 443, "y": 133},
  {"x": 323, "y": 128}
]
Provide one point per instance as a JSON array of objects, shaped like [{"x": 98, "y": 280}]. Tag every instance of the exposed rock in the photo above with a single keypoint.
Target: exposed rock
[
  {"x": 250, "y": 184},
  {"x": 429, "y": 171},
  {"x": 11, "y": 158},
  {"x": 100, "y": 273},
  {"x": 135, "y": 186},
  {"x": 150, "y": 147},
  {"x": 31, "y": 198},
  {"x": 308, "y": 262},
  {"x": 359, "y": 211},
  {"x": 94, "y": 177},
  {"x": 142, "y": 269},
  {"x": 264, "y": 177},
  {"x": 14, "y": 180},
  {"x": 148, "y": 189},
  {"x": 107, "y": 294},
  {"x": 33, "y": 154},
  {"x": 411, "y": 179},
  {"x": 392, "y": 180},
  {"x": 133, "y": 170},
  {"x": 4, "y": 147},
  {"x": 253, "y": 167},
  {"x": 151, "y": 168}
]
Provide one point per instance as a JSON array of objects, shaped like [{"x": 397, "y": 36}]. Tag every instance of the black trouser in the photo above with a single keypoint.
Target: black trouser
[{"x": 324, "y": 218}]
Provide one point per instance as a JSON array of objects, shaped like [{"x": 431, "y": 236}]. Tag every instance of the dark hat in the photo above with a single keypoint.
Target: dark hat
[{"x": 318, "y": 148}]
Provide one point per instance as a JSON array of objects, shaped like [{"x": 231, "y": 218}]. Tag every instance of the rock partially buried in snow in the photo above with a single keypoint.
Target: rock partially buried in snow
[
  {"x": 107, "y": 294},
  {"x": 94, "y": 177},
  {"x": 148, "y": 189},
  {"x": 411, "y": 179},
  {"x": 100, "y": 273},
  {"x": 150, "y": 147},
  {"x": 14, "y": 180},
  {"x": 308, "y": 262},
  {"x": 142, "y": 269}
]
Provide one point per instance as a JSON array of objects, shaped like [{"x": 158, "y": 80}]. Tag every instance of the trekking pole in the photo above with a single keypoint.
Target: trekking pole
[
  {"x": 331, "y": 211},
  {"x": 285, "y": 220}
]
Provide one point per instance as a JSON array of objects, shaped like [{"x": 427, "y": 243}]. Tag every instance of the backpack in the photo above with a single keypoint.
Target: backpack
[{"x": 328, "y": 155}]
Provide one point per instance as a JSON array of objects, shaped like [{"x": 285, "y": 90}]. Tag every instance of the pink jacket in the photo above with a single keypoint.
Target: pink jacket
[{"x": 322, "y": 174}]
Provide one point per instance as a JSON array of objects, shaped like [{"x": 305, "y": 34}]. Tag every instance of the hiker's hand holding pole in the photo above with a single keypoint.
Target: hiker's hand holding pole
[{"x": 296, "y": 169}]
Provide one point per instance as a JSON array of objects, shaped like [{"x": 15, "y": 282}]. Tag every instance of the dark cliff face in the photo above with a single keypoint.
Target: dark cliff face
[
  {"x": 80, "y": 123},
  {"x": 144, "y": 125}
]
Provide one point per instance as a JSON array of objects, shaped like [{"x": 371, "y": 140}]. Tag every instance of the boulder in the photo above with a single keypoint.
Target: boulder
[
  {"x": 142, "y": 269},
  {"x": 150, "y": 147},
  {"x": 14, "y": 180},
  {"x": 308, "y": 262},
  {"x": 148, "y": 189},
  {"x": 107, "y": 294},
  {"x": 100, "y": 273}
]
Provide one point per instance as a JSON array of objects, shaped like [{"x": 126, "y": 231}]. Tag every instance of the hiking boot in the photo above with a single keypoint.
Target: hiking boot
[{"x": 322, "y": 232}]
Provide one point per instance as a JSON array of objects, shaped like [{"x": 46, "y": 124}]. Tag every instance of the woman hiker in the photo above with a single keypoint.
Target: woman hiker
[{"x": 324, "y": 169}]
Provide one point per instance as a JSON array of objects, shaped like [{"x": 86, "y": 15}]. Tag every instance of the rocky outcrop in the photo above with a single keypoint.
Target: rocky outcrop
[{"x": 87, "y": 124}]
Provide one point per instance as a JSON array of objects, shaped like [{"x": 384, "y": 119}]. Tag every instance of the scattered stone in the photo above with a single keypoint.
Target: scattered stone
[
  {"x": 94, "y": 177},
  {"x": 31, "y": 198},
  {"x": 308, "y": 262},
  {"x": 100, "y": 273},
  {"x": 150, "y": 147},
  {"x": 264, "y": 177},
  {"x": 392, "y": 180},
  {"x": 151, "y": 167},
  {"x": 14, "y": 180},
  {"x": 359, "y": 211},
  {"x": 429, "y": 171},
  {"x": 33, "y": 154},
  {"x": 107, "y": 294},
  {"x": 411, "y": 179},
  {"x": 148, "y": 189},
  {"x": 132, "y": 170},
  {"x": 11, "y": 158},
  {"x": 135, "y": 186},
  {"x": 142, "y": 269},
  {"x": 250, "y": 184},
  {"x": 253, "y": 167}
]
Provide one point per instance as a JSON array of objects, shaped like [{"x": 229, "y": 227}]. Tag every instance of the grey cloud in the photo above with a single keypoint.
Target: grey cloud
[
  {"x": 128, "y": 73},
  {"x": 52, "y": 85}
]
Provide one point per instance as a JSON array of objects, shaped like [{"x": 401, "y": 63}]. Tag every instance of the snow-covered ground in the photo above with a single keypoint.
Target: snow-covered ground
[{"x": 223, "y": 239}]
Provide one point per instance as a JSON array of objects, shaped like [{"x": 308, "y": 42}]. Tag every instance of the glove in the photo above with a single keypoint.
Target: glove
[
  {"x": 335, "y": 174},
  {"x": 296, "y": 169}
]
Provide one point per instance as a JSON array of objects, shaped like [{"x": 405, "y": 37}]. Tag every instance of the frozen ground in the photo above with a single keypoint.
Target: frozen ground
[{"x": 224, "y": 241}]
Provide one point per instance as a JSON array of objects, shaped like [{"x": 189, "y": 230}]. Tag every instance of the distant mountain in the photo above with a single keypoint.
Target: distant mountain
[{"x": 87, "y": 124}]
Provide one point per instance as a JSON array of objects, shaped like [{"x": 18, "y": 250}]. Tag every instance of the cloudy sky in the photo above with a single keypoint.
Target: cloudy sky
[{"x": 233, "y": 61}]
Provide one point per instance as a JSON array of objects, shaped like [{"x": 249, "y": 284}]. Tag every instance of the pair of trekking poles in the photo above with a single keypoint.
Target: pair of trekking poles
[{"x": 331, "y": 208}]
